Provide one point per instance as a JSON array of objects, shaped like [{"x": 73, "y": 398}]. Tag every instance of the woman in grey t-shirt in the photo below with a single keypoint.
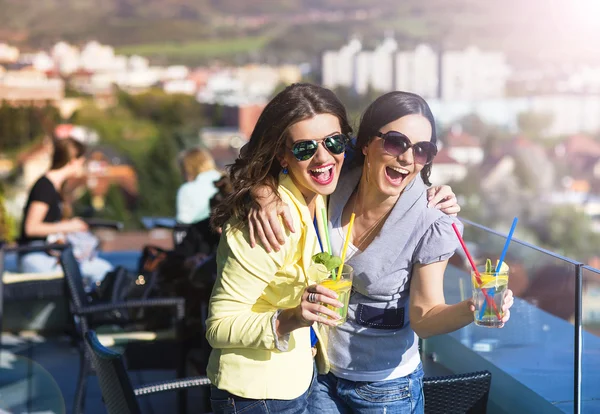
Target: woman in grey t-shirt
[{"x": 399, "y": 251}]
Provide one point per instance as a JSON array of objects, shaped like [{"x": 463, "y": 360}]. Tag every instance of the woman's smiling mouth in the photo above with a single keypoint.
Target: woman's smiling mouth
[
  {"x": 396, "y": 175},
  {"x": 323, "y": 175}
]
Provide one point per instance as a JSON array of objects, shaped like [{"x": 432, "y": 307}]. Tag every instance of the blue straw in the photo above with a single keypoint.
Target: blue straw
[
  {"x": 508, "y": 239},
  {"x": 492, "y": 291}
]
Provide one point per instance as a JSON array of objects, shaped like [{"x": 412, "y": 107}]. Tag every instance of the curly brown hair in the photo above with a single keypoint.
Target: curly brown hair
[{"x": 257, "y": 163}]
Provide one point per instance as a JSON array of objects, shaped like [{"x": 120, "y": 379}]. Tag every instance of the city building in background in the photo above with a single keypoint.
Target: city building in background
[
  {"x": 8, "y": 54},
  {"x": 448, "y": 74},
  {"x": 29, "y": 86},
  {"x": 417, "y": 71},
  {"x": 339, "y": 66}
]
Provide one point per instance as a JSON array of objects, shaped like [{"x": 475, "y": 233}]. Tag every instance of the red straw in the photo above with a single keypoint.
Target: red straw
[{"x": 477, "y": 275}]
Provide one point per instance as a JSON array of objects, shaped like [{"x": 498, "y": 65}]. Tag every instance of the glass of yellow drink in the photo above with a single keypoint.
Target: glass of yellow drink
[
  {"x": 342, "y": 286},
  {"x": 488, "y": 296}
]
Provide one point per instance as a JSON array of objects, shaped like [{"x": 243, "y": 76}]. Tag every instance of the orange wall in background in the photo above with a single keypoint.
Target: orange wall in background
[{"x": 247, "y": 117}]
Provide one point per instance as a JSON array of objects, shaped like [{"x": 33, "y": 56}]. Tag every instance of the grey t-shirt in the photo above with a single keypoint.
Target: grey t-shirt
[{"x": 377, "y": 343}]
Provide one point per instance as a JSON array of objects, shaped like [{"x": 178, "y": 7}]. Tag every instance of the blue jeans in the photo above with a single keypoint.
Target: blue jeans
[
  {"x": 224, "y": 402},
  {"x": 398, "y": 396}
]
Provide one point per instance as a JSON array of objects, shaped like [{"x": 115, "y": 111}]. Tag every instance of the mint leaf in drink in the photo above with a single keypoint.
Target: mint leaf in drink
[
  {"x": 333, "y": 263},
  {"x": 330, "y": 262},
  {"x": 321, "y": 257},
  {"x": 488, "y": 266}
]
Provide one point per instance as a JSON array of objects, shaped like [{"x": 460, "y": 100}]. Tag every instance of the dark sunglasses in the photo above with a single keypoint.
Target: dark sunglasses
[
  {"x": 305, "y": 150},
  {"x": 396, "y": 143}
]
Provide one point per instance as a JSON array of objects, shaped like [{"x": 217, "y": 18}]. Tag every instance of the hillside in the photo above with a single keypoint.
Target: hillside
[{"x": 298, "y": 30}]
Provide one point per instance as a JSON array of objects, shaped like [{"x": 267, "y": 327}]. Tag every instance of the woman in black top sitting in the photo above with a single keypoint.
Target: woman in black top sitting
[{"x": 43, "y": 215}]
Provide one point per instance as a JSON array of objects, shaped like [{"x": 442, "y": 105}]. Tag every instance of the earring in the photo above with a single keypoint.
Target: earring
[
  {"x": 368, "y": 169},
  {"x": 285, "y": 170},
  {"x": 345, "y": 155}
]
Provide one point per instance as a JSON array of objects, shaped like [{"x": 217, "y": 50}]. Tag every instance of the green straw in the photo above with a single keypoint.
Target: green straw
[
  {"x": 326, "y": 229},
  {"x": 327, "y": 240}
]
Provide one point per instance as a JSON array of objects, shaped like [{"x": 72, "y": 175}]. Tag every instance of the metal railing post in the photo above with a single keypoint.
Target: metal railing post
[{"x": 578, "y": 339}]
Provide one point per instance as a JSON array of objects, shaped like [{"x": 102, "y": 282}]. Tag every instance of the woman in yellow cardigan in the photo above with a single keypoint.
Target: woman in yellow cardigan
[{"x": 259, "y": 315}]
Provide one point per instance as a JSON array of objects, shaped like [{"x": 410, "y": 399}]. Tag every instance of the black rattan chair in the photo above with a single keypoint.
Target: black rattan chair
[
  {"x": 117, "y": 391},
  {"x": 142, "y": 350},
  {"x": 457, "y": 394}
]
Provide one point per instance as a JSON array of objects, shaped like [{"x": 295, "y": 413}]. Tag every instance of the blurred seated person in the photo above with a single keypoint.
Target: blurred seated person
[
  {"x": 194, "y": 256},
  {"x": 45, "y": 216},
  {"x": 193, "y": 197}
]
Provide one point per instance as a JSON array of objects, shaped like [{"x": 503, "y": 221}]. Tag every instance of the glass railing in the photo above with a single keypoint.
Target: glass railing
[{"x": 539, "y": 348}]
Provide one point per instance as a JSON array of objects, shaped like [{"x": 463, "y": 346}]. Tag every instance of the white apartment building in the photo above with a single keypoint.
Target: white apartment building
[
  {"x": 472, "y": 74},
  {"x": 362, "y": 72},
  {"x": 30, "y": 86},
  {"x": 138, "y": 63},
  {"x": 93, "y": 58},
  {"x": 180, "y": 86},
  {"x": 246, "y": 84},
  {"x": 360, "y": 69},
  {"x": 176, "y": 72},
  {"x": 382, "y": 65},
  {"x": 417, "y": 71},
  {"x": 467, "y": 74},
  {"x": 338, "y": 66},
  {"x": 66, "y": 57},
  {"x": 101, "y": 58},
  {"x": 8, "y": 53},
  {"x": 42, "y": 62},
  {"x": 585, "y": 79},
  {"x": 570, "y": 113}
]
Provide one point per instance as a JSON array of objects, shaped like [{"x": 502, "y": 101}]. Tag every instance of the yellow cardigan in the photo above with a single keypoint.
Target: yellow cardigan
[{"x": 251, "y": 286}]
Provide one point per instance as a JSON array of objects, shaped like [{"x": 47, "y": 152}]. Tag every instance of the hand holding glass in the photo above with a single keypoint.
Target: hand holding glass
[
  {"x": 341, "y": 286},
  {"x": 495, "y": 285}
]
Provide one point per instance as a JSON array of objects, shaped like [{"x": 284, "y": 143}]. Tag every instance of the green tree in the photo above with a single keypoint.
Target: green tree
[
  {"x": 159, "y": 178},
  {"x": 473, "y": 124},
  {"x": 168, "y": 110},
  {"x": 568, "y": 230},
  {"x": 149, "y": 129},
  {"x": 115, "y": 207},
  {"x": 119, "y": 128},
  {"x": 470, "y": 198},
  {"x": 7, "y": 223},
  {"x": 355, "y": 103},
  {"x": 533, "y": 124},
  {"x": 181, "y": 114},
  {"x": 22, "y": 125}
]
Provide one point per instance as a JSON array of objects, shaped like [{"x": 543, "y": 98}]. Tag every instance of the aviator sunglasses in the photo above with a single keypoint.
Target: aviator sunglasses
[
  {"x": 396, "y": 143},
  {"x": 305, "y": 150}
]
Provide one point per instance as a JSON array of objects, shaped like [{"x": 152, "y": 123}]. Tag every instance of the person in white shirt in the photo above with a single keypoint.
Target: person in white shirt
[{"x": 193, "y": 197}]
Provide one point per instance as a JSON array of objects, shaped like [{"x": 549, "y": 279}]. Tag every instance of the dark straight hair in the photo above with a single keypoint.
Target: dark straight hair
[
  {"x": 65, "y": 150},
  {"x": 257, "y": 163},
  {"x": 388, "y": 108}
]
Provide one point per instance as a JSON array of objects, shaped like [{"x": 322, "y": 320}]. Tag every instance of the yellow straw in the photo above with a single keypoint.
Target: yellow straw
[{"x": 339, "y": 275}]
